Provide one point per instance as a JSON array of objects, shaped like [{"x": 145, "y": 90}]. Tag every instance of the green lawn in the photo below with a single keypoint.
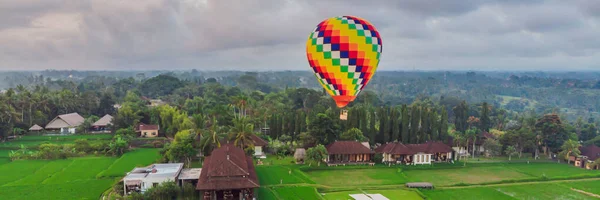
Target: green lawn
[
  {"x": 297, "y": 193},
  {"x": 4, "y": 153},
  {"x": 349, "y": 177},
  {"x": 390, "y": 194},
  {"x": 274, "y": 175},
  {"x": 531, "y": 191},
  {"x": 137, "y": 158},
  {"x": 81, "y": 169},
  {"x": 4, "y": 161},
  {"x": 588, "y": 186}
]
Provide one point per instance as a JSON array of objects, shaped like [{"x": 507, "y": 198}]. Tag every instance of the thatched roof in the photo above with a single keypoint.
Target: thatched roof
[
  {"x": 104, "y": 121},
  {"x": 36, "y": 127},
  {"x": 65, "y": 121},
  {"x": 226, "y": 168},
  {"x": 348, "y": 147},
  {"x": 300, "y": 153}
]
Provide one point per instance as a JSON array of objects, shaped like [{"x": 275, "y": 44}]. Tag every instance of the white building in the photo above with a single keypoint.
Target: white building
[
  {"x": 144, "y": 178},
  {"x": 66, "y": 123}
]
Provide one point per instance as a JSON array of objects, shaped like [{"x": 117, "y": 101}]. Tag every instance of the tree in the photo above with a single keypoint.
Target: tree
[
  {"x": 510, "y": 152},
  {"x": 241, "y": 133},
  {"x": 485, "y": 117},
  {"x": 492, "y": 147},
  {"x": 316, "y": 154},
  {"x": 405, "y": 136},
  {"x": 395, "y": 124},
  {"x": 552, "y": 132},
  {"x": 354, "y": 134},
  {"x": 444, "y": 124},
  {"x": 119, "y": 145},
  {"x": 461, "y": 114},
  {"x": 570, "y": 148},
  {"x": 182, "y": 148},
  {"x": 160, "y": 85},
  {"x": 324, "y": 129}
]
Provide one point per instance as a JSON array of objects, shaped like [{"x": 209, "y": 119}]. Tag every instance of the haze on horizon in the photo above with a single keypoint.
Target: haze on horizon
[{"x": 270, "y": 34}]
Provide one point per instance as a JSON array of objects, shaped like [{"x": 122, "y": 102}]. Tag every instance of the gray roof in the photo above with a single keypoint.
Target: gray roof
[
  {"x": 65, "y": 121},
  {"x": 169, "y": 170},
  {"x": 36, "y": 127},
  {"x": 104, "y": 121},
  {"x": 190, "y": 174}
]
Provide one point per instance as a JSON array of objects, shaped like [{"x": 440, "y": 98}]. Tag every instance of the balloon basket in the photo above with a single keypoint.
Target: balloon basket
[{"x": 344, "y": 115}]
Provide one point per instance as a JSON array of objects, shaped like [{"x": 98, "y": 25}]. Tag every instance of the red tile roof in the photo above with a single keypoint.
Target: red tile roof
[
  {"x": 591, "y": 151},
  {"x": 147, "y": 127},
  {"x": 227, "y": 167},
  {"x": 348, "y": 147},
  {"x": 394, "y": 148},
  {"x": 259, "y": 141}
]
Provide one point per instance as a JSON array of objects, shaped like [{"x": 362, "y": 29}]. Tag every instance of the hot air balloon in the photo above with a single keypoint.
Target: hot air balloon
[{"x": 344, "y": 53}]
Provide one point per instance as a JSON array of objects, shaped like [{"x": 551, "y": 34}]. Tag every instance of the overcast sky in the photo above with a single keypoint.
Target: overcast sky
[{"x": 271, "y": 34}]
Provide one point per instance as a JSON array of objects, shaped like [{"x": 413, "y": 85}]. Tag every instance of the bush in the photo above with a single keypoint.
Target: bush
[
  {"x": 82, "y": 145},
  {"x": 378, "y": 158}
]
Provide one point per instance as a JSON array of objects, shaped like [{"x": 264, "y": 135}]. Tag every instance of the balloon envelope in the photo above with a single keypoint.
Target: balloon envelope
[{"x": 344, "y": 53}]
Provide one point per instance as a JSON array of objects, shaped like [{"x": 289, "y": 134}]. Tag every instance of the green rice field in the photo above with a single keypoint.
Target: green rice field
[
  {"x": 297, "y": 193},
  {"x": 275, "y": 175},
  {"x": 390, "y": 194},
  {"x": 73, "y": 178},
  {"x": 376, "y": 176},
  {"x": 138, "y": 158},
  {"x": 522, "y": 191}
]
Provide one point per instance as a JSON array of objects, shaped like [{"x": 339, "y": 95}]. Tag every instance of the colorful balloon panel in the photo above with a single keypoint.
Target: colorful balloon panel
[{"x": 344, "y": 53}]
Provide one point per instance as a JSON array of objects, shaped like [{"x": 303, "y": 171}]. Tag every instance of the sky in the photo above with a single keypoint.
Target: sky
[{"x": 271, "y": 34}]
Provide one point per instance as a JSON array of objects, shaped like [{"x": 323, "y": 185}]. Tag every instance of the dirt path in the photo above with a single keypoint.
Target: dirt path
[
  {"x": 521, "y": 183},
  {"x": 586, "y": 193}
]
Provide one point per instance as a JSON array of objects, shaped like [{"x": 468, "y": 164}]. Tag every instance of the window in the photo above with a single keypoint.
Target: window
[
  {"x": 154, "y": 184},
  {"x": 153, "y": 133}
]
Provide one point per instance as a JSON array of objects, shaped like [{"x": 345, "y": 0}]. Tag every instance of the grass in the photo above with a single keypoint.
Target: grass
[
  {"x": 4, "y": 161},
  {"x": 66, "y": 137},
  {"x": 43, "y": 173},
  {"x": 588, "y": 186},
  {"x": 274, "y": 175},
  {"x": 16, "y": 170},
  {"x": 81, "y": 169},
  {"x": 347, "y": 177},
  {"x": 551, "y": 170},
  {"x": 390, "y": 194},
  {"x": 531, "y": 191},
  {"x": 468, "y": 175},
  {"x": 88, "y": 189},
  {"x": 266, "y": 194},
  {"x": 4, "y": 153},
  {"x": 297, "y": 193},
  {"x": 73, "y": 178},
  {"x": 137, "y": 158}
]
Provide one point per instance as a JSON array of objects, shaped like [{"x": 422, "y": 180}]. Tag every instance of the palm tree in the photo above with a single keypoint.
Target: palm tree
[
  {"x": 241, "y": 132},
  {"x": 570, "y": 148},
  {"x": 211, "y": 138}
]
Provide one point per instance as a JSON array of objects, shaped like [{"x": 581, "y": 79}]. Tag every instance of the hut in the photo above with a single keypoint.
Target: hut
[
  {"x": 36, "y": 128},
  {"x": 299, "y": 155}
]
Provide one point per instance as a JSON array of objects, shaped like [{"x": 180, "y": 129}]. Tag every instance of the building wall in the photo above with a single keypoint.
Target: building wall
[
  {"x": 68, "y": 130},
  {"x": 148, "y": 183},
  {"x": 421, "y": 158},
  {"x": 258, "y": 150},
  {"x": 149, "y": 133}
]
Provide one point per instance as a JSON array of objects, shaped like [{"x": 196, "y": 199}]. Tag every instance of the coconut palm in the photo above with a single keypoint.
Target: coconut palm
[
  {"x": 241, "y": 132},
  {"x": 211, "y": 138},
  {"x": 570, "y": 148}
]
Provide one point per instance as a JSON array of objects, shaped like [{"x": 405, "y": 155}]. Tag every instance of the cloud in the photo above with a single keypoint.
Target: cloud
[{"x": 271, "y": 34}]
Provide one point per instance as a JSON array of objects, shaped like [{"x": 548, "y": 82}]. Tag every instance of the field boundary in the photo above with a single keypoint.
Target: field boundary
[
  {"x": 586, "y": 193},
  {"x": 517, "y": 183}
]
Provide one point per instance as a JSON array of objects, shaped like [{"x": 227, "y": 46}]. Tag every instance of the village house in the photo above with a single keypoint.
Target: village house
[
  {"x": 415, "y": 154},
  {"x": 147, "y": 130},
  {"x": 102, "y": 125},
  {"x": 589, "y": 155},
  {"x": 259, "y": 146},
  {"x": 349, "y": 153},
  {"x": 144, "y": 178},
  {"x": 36, "y": 128},
  {"x": 66, "y": 123},
  {"x": 228, "y": 174}
]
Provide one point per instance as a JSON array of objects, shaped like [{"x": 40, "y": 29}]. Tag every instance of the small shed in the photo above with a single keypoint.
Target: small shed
[
  {"x": 299, "y": 155},
  {"x": 424, "y": 185},
  {"x": 36, "y": 128},
  {"x": 190, "y": 175}
]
